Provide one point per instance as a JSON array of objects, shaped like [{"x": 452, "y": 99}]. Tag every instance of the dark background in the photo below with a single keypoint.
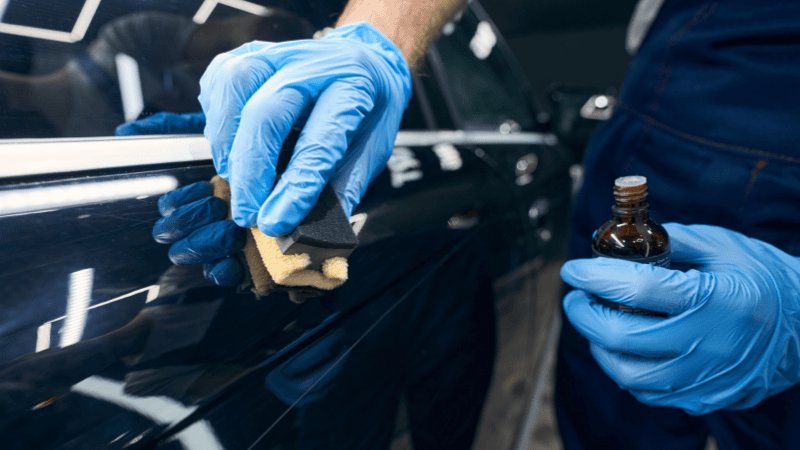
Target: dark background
[{"x": 568, "y": 41}]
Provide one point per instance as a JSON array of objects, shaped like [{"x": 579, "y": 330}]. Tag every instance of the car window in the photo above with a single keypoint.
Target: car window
[
  {"x": 484, "y": 87},
  {"x": 80, "y": 69}
]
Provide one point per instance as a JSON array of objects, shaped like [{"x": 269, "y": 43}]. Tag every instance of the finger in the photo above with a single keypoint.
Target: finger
[
  {"x": 638, "y": 285},
  {"x": 332, "y": 125},
  {"x": 183, "y": 196},
  {"x": 634, "y": 372},
  {"x": 654, "y": 382},
  {"x": 164, "y": 123},
  {"x": 706, "y": 246},
  {"x": 186, "y": 219},
  {"x": 208, "y": 244},
  {"x": 224, "y": 92},
  {"x": 688, "y": 246},
  {"x": 212, "y": 70},
  {"x": 621, "y": 331},
  {"x": 266, "y": 121},
  {"x": 353, "y": 177},
  {"x": 222, "y": 58},
  {"x": 227, "y": 272}
]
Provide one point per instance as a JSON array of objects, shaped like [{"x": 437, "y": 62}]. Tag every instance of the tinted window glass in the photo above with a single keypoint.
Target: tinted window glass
[
  {"x": 80, "y": 69},
  {"x": 484, "y": 90}
]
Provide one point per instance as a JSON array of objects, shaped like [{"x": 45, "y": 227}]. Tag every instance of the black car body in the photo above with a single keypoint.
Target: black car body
[{"x": 472, "y": 207}]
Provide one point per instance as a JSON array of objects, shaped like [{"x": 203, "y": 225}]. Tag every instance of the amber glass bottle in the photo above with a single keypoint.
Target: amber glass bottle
[{"x": 631, "y": 234}]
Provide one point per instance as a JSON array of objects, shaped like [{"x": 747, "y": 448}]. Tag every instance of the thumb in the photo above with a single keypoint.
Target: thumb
[{"x": 637, "y": 285}]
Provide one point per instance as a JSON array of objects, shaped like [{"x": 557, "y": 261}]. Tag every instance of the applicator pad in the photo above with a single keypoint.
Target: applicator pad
[{"x": 313, "y": 257}]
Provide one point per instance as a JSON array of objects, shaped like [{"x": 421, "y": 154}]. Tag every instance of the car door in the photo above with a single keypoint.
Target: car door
[
  {"x": 485, "y": 94},
  {"x": 105, "y": 344}
]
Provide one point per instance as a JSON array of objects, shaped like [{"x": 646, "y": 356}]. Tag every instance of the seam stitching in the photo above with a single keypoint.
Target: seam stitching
[{"x": 752, "y": 151}]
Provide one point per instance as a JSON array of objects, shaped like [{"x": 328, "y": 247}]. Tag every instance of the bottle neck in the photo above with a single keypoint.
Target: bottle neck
[
  {"x": 630, "y": 210},
  {"x": 630, "y": 198}
]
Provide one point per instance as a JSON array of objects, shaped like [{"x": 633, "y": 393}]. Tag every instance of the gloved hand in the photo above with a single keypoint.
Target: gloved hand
[
  {"x": 347, "y": 91},
  {"x": 732, "y": 336},
  {"x": 164, "y": 123},
  {"x": 194, "y": 223}
]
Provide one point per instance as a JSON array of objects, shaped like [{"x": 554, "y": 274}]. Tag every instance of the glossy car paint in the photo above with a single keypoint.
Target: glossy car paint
[{"x": 91, "y": 244}]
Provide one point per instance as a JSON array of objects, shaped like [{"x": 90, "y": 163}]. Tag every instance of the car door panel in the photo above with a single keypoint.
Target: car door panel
[
  {"x": 105, "y": 344},
  {"x": 112, "y": 238}
]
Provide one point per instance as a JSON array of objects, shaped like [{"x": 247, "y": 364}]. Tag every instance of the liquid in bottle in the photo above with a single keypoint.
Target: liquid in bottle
[{"x": 631, "y": 234}]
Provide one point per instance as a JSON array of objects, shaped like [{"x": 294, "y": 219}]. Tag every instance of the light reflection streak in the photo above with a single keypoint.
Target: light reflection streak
[
  {"x": 80, "y": 294},
  {"x": 130, "y": 86},
  {"x": 56, "y": 197},
  {"x": 3, "y": 6},
  {"x": 43, "y": 333},
  {"x": 47, "y": 156},
  {"x": 205, "y": 10},
  {"x": 84, "y": 19},
  {"x": 245, "y": 6},
  {"x": 357, "y": 221},
  {"x": 483, "y": 41},
  {"x": 43, "y": 337},
  {"x": 161, "y": 410},
  {"x": 449, "y": 157},
  {"x": 78, "y": 30},
  {"x": 40, "y": 33}
]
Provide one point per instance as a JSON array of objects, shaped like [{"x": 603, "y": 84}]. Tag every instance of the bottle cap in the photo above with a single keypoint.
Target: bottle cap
[
  {"x": 631, "y": 181},
  {"x": 630, "y": 189}
]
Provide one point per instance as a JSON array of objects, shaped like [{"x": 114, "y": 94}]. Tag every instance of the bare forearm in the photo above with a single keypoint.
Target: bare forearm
[{"x": 411, "y": 24}]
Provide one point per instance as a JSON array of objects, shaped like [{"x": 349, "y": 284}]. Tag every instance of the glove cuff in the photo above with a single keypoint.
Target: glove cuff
[{"x": 365, "y": 33}]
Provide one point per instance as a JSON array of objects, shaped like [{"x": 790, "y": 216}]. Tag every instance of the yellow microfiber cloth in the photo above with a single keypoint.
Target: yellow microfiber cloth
[
  {"x": 293, "y": 270},
  {"x": 314, "y": 256}
]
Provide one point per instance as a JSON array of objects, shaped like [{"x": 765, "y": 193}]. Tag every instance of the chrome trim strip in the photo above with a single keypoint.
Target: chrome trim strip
[
  {"x": 430, "y": 138},
  {"x": 85, "y": 192},
  {"x": 47, "y": 156}
]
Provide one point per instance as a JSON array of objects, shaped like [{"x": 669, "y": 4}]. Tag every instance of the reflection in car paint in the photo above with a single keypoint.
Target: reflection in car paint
[
  {"x": 465, "y": 137},
  {"x": 80, "y": 294},
  {"x": 205, "y": 10},
  {"x": 484, "y": 41},
  {"x": 130, "y": 86},
  {"x": 48, "y": 156},
  {"x": 63, "y": 196},
  {"x": 449, "y": 158},
  {"x": 43, "y": 332},
  {"x": 76, "y": 35},
  {"x": 403, "y": 165},
  {"x": 161, "y": 410},
  {"x": 357, "y": 221},
  {"x": 116, "y": 241}
]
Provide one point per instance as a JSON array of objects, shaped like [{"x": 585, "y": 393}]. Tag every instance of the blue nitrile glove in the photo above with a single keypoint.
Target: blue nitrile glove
[
  {"x": 347, "y": 91},
  {"x": 194, "y": 223},
  {"x": 164, "y": 123},
  {"x": 732, "y": 337}
]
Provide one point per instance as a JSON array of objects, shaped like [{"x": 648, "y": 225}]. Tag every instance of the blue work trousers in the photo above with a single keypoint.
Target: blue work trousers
[{"x": 709, "y": 114}]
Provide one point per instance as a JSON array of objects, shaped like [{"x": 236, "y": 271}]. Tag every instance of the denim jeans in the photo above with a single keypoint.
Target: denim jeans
[{"x": 708, "y": 115}]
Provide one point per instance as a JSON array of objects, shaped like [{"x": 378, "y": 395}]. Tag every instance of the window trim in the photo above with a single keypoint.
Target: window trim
[{"x": 29, "y": 157}]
